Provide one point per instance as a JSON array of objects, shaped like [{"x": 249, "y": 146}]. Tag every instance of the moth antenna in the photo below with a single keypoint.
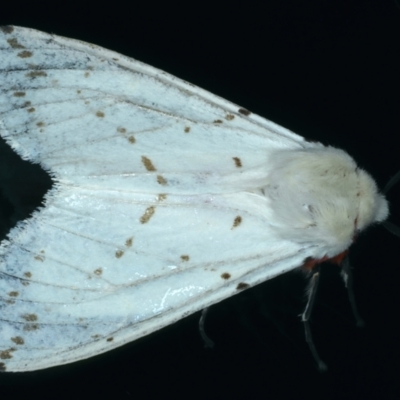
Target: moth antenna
[
  {"x": 392, "y": 228},
  {"x": 305, "y": 318},
  {"x": 208, "y": 343},
  {"x": 392, "y": 181}
]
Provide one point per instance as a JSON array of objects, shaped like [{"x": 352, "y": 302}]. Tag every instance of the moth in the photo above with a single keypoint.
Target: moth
[{"x": 167, "y": 199}]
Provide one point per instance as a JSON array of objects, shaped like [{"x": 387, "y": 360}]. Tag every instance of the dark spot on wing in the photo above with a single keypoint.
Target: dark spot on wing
[
  {"x": 39, "y": 257},
  {"x": 7, "y": 29},
  {"x": 147, "y": 214},
  {"x": 119, "y": 253},
  {"x": 98, "y": 271},
  {"x": 29, "y": 317},
  {"x": 243, "y": 111},
  {"x": 148, "y": 164},
  {"x": 225, "y": 275},
  {"x": 161, "y": 180},
  {"x": 35, "y": 74},
  {"x": 19, "y": 94},
  {"x": 229, "y": 117},
  {"x": 31, "y": 110},
  {"x": 242, "y": 286},
  {"x": 28, "y": 274},
  {"x": 100, "y": 114},
  {"x": 40, "y": 124},
  {"x": 238, "y": 162},
  {"x": 13, "y": 294},
  {"x": 110, "y": 339},
  {"x": 237, "y": 221},
  {"x": 31, "y": 327},
  {"x": 129, "y": 242},
  {"x": 187, "y": 129},
  {"x": 161, "y": 197},
  {"x": 15, "y": 44},
  {"x": 218, "y": 121},
  {"x": 131, "y": 139},
  {"x": 25, "y": 54},
  {"x": 18, "y": 340},
  {"x": 185, "y": 257},
  {"x": 6, "y": 354},
  {"x": 121, "y": 130}
]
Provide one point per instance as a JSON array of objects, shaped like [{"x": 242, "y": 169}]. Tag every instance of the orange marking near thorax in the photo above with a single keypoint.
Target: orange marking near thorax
[{"x": 309, "y": 264}]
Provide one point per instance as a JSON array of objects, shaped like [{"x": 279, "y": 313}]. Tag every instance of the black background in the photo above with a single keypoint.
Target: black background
[{"x": 328, "y": 70}]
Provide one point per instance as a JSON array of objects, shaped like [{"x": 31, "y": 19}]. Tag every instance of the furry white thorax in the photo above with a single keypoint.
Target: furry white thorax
[{"x": 320, "y": 195}]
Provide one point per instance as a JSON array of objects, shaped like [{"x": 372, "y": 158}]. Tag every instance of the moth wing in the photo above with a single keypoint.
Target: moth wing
[
  {"x": 149, "y": 220},
  {"x": 94, "y": 270},
  {"x": 86, "y": 108}
]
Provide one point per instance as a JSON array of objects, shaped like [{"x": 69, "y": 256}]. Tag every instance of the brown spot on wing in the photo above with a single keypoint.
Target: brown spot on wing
[
  {"x": 25, "y": 54},
  {"x": 161, "y": 180},
  {"x": 98, "y": 271},
  {"x": 187, "y": 129},
  {"x": 18, "y": 340},
  {"x": 243, "y": 111},
  {"x": 36, "y": 74},
  {"x": 129, "y": 242},
  {"x": 28, "y": 274},
  {"x": 148, "y": 164},
  {"x": 119, "y": 253},
  {"x": 161, "y": 197},
  {"x": 15, "y": 44},
  {"x": 31, "y": 327},
  {"x": 7, "y": 29},
  {"x": 185, "y": 257},
  {"x": 225, "y": 275},
  {"x": 238, "y": 162},
  {"x": 242, "y": 286},
  {"x": 229, "y": 117},
  {"x": 218, "y": 121},
  {"x": 6, "y": 354},
  {"x": 13, "y": 294},
  {"x": 147, "y": 214},
  {"x": 29, "y": 317},
  {"x": 19, "y": 94},
  {"x": 237, "y": 221},
  {"x": 100, "y": 114}
]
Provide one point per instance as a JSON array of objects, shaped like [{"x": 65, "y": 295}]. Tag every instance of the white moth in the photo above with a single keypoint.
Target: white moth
[{"x": 167, "y": 199}]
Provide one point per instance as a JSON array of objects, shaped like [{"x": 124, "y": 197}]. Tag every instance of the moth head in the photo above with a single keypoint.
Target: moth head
[{"x": 373, "y": 207}]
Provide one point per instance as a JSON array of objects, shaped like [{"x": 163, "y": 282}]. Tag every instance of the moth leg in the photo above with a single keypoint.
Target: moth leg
[
  {"x": 305, "y": 318},
  {"x": 208, "y": 343},
  {"x": 347, "y": 275}
]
